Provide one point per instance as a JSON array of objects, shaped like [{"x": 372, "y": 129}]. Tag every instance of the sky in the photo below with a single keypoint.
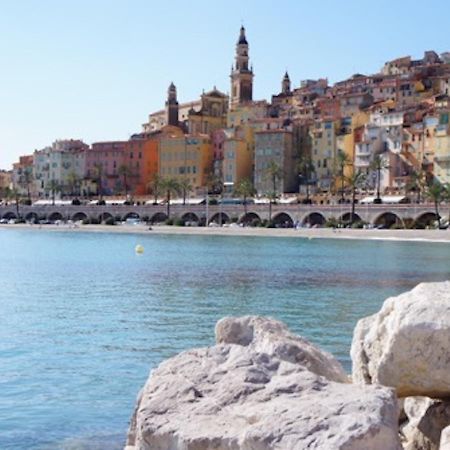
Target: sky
[{"x": 95, "y": 69}]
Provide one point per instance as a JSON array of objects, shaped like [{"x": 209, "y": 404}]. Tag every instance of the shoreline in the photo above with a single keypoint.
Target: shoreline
[{"x": 436, "y": 236}]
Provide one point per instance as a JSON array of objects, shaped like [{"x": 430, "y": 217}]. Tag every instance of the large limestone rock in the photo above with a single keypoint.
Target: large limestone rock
[
  {"x": 256, "y": 390},
  {"x": 406, "y": 344},
  {"x": 426, "y": 420},
  {"x": 445, "y": 439},
  {"x": 262, "y": 335}
]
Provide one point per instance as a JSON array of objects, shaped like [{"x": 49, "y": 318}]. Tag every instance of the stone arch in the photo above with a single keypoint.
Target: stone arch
[
  {"x": 31, "y": 217},
  {"x": 190, "y": 217},
  {"x": 131, "y": 215},
  {"x": 105, "y": 216},
  {"x": 283, "y": 220},
  {"x": 346, "y": 218},
  {"x": 250, "y": 218},
  {"x": 55, "y": 215},
  {"x": 79, "y": 216},
  {"x": 388, "y": 220},
  {"x": 9, "y": 215},
  {"x": 158, "y": 217},
  {"x": 314, "y": 218},
  {"x": 426, "y": 219},
  {"x": 220, "y": 218}
]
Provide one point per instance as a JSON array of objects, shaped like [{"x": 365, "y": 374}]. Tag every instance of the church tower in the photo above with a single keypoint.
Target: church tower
[
  {"x": 172, "y": 106},
  {"x": 286, "y": 84},
  {"x": 241, "y": 75}
]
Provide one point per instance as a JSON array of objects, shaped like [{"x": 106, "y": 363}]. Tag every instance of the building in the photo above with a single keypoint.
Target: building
[
  {"x": 23, "y": 176},
  {"x": 275, "y": 145},
  {"x": 241, "y": 74},
  {"x": 186, "y": 158},
  {"x": 59, "y": 169},
  {"x": 5, "y": 181},
  {"x": 103, "y": 161},
  {"x": 212, "y": 114}
]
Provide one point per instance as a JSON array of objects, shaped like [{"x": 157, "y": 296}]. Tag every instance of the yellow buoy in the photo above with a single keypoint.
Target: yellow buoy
[{"x": 139, "y": 249}]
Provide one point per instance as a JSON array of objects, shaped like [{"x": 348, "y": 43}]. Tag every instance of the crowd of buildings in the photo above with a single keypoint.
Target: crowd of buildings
[{"x": 399, "y": 115}]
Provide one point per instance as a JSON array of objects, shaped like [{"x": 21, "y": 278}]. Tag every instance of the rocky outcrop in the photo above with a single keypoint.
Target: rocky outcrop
[
  {"x": 406, "y": 344},
  {"x": 445, "y": 439},
  {"x": 260, "y": 388}
]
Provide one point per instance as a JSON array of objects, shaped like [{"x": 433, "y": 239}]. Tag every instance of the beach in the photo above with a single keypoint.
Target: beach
[{"x": 305, "y": 233}]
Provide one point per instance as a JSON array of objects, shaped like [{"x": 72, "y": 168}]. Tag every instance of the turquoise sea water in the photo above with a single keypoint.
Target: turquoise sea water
[{"x": 83, "y": 318}]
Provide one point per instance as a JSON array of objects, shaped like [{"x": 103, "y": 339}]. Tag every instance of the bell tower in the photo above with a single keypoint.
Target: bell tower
[
  {"x": 286, "y": 84},
  {"x": 241, "y": 74},
  {"x": 172, "y": 106}
]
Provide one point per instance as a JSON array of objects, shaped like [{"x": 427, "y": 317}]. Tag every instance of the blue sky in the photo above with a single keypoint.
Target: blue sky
[{"x": 95, "y": 69}]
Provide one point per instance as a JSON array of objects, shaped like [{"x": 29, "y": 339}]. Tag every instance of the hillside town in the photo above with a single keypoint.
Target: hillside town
[{"x": 381, "y": 134}]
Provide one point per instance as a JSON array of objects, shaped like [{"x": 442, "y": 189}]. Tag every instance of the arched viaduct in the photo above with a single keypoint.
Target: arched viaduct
[{"x": 282, "y": 215}]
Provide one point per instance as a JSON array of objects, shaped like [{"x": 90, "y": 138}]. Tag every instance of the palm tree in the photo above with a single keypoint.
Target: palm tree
[
  {"x": 436, "y": 192},
  {"x": 272, "y": 196},
  {"x": 98, "y": 177},
  {"x": 170, "y": 186},
  {"x": 274, "y": 173},
  {"x": 53, "y": 187},
  {"x": 185, "y": 188},
  {"x": 155, "y": 187},
  {"x": 343, "y": 160},
  {"x": 305, "y": 168},
  {"x": 355, "y": 181},
  {"x": 14, "y": 194},
  {"x": 245, "y": 189},
  {"x": 73, "y": 181},
  {"x": 417, "y": 183},
  {"x": 25, "y": 179},
  {"x": 378, "y": 164},
  {"x": 125, "y": 172}
]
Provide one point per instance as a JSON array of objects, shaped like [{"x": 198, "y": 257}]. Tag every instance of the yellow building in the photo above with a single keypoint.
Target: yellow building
[
  {"x": 442, "y": 153},
  {"x": 185, "y": 157},
  {"x": 345, "y": 141}
]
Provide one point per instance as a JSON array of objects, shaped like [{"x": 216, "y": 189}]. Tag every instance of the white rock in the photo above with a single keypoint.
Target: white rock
[
  {"x": 235, "y": 397},
  {"x": 445, "y": 439},
  {"x": 406, "y": 344},
  {"x": 272, "y": 337}
]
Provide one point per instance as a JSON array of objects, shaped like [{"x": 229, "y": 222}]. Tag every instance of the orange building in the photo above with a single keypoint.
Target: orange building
[{"x": 141, "y": 157}]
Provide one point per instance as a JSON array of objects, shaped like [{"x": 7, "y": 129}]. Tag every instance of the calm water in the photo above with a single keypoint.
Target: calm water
[{"x": 83, "y": 319}]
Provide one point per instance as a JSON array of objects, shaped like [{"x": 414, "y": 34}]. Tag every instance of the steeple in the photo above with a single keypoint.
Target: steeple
[
  {"x": 286, "y": 84},
  {"x": 172, "y": 105},
  {"x": 241, "y": 75}
]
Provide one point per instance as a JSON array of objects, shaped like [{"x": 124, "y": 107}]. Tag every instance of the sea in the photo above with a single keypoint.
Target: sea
[{"x": 84, "y": 319}]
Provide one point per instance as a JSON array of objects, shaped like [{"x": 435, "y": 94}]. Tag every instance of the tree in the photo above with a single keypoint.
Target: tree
[
  {"x": 417, "y": 183},
  {"x": 245, "y": 189},
  {"x": 185, "y": 188},
  {"x": 272, "y": 196},
  {"x": 53, "y": 187},
  {"x": 274, "y": 173},
  {"x": 214, "y": 183},
  {"x": 305, "y": 168},
  {"x": 25, "y": 180},
  {"x": 355, "y": 181},
  {"x": 155, "y": 187},
  {"x": 98, "y": 178},
  {"x": 170, "y": 186},
  {"x": 14, "y": 194},
  {"x": 436, "y": 192},
  {"x": 73, "y": 181},
  {"x": 125, "y": 172},
  {"x": 378, "y": 164},
  {"x": 343, "y": 160}
]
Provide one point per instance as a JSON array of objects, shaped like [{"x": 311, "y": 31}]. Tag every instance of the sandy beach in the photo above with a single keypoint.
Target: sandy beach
[{"x": 306, "y": 233}]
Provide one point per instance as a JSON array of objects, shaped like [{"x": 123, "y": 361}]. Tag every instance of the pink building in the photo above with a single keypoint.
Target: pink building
[{"x": 103, "y": 160}]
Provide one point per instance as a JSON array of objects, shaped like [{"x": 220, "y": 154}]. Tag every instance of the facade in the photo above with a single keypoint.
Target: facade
[
  {"x": 275, "y": 146},
  {"x": 59, "y": 169},
  {"x": 103, "y": 161},
  {"x": 186, "y": 158},
  {"x": 5, "y": 181},
  {"x": 23, "y": 176}
]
